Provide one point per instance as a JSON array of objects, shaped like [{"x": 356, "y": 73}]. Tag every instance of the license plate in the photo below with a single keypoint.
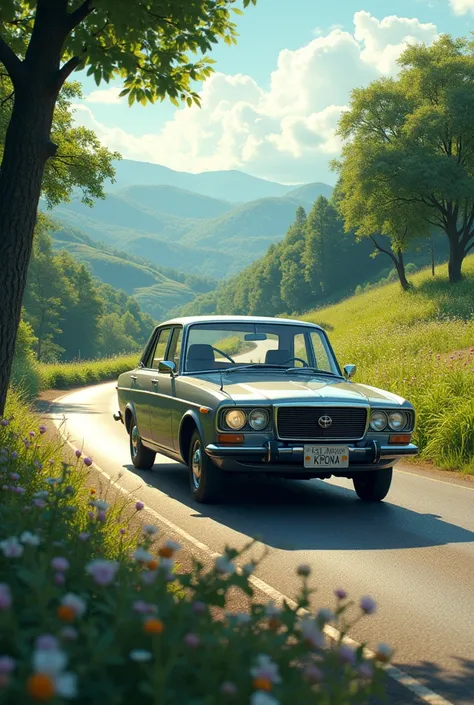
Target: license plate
[{"x": 326, "y": 457}]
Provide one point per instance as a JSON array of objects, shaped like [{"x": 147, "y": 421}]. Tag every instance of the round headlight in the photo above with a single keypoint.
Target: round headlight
[
  {"x": 378, "y": 420},
  {"x": 397, "y": 420},
  {"x": 258, "y": 419},
  {"x": 235, "y": 419}
]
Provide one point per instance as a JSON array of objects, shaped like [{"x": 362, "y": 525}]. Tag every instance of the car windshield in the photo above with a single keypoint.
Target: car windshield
[{"x": 226, "y": 346}]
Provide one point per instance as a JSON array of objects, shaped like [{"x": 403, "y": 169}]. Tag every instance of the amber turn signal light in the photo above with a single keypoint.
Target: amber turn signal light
[
  {"x": 230, "y": 438},
  {"x": 400, "y": 438}
]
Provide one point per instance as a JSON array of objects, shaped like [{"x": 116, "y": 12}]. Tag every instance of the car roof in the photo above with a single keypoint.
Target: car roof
[{"x": 190, "y": 320}]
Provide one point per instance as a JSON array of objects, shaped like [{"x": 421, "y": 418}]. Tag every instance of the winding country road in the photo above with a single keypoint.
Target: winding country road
[{"x": 414, "y": 553}]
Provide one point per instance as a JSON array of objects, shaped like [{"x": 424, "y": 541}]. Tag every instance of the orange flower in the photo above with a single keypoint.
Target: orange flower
[
  {"x": 262, "y": 683},
  {"x": 152, "y": 565},
  {"x": 274, "y": 623},
  {"x": 92, "y": 490},
  {"x": 153, "y": 626},
  {"x": 40, "y": 686},
  {"x": 166, "y": 552},
  {"x": 66, "y": 613}
]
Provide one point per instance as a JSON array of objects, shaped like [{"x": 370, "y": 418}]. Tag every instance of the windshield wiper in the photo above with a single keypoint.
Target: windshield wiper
[
  {"x": 253, "y": 366},
  {"x": 314, "y": 369}
]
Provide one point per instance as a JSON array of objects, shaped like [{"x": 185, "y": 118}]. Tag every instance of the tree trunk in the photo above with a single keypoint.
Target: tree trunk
[
  {"x": 27, "y": 147},
  {"x": 456, "y": 257},
  {"x": 400, "y": 266}
]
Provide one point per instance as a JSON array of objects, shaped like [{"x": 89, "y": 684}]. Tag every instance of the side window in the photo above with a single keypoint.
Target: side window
[
  {"x": 175, "y": 347},
  {"x": 321, "y": 354},
  {"x": 158, "y": 354},
  {"x": 300, "y": 350}
]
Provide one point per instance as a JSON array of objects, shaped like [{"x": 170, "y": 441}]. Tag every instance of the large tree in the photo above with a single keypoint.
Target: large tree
[
  {"x": 323, "y": 254},
  {"x": 419, "y": 133},
  {"x": 145, "y": 43}
]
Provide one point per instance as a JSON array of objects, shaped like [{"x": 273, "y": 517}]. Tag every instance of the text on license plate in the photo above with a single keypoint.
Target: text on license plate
[{"x": 326, "y": 456}]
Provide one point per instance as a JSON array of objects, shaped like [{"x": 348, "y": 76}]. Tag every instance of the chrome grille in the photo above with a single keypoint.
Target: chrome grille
[{"x": 301, "y": 423}]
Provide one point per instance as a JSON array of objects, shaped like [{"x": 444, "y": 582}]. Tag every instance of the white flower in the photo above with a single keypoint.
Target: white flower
[
  {"x": 166, "y": 563},
  {"x": 150, "y": 529},
  {"x": 224, "y": 565},
  {"x": 142, "y": 555},
  {"x": 173, "y": 546},
  {"x": 51, "y": 662},
  {"x": 99, "y": 504},
  {"x": 51, "y": 481},
  {"x": 266, "y": 668},
  {"x": 42, "y": 494},
  {"x": 75, "y": 602},
  {"x": 311, "y": 632},
  {"x": 30, "y": 539},
  {"x": 11, "y": 547},
  {"x": 262, "y": 698},
  {"x": 325, "y": 615},
  {"x": 140, "y": 655},
  {"x": 66, "y": 685}
]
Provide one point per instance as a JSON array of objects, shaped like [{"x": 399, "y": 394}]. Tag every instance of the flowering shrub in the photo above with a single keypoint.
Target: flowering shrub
[{"x": 86, "y": 617}]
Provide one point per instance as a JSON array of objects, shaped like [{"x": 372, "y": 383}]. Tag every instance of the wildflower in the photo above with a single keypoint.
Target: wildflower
[
  {"x": 304, "y": 570},
  {"x": 5, "y": 596},
  {"x": 71, "y": 606},
  {"x": 40, "y": 686},
  {"x": 340, "y": 594},
  {"x": 39, "y": 503},
  {"x": 152, "y": 565},
  {"x": 272, "y": 610},
  {"x": 59, "y": 579},
  {"x": 14, "y": 455},
  {"x": 87, "y": 461},
  {"x": 199, "y": 607},
  {"x": 140, "y": 655},
  {"x": 325, "y": 615},
  {"x": 224, "y": 565},
  {"x": 14, "y": 476},
  {"x": 265, "y": 674},
  {"x": 366, "y": 671},
  {"x": 346, "y": 654},
  {"x": 149, "y": 577},
  {"x": 42, "y": 429},
  {"x": 32, "y": 434},
  {"x": 229, "y": 688},
  {"x": 383, "y": 653},
  {"x": 122, "y": 532},
  {"x": 101, "y": 516},
  {"x": 144, "y": 607},
  {"x": 84, "y": 536},
  {"x": 99, "y": 504},
  {"x": 169, "y": 549},
  {"x": 78, "y": 453},
  {"x": 19, "y": 490},
  {"x": 153, "y": 626},
  {"x": 11, "y": 547},
  {"x": 142, "y": 556},
  {"x": 4, "y": 422},
  {"x": 60, "y": 564},
  {"x": 192, "y": 640},
  {"x": 102, "y": 571},
  {"x": 30, "y": 539},
  {"x": 7, "y": 664},
  {"x": 150, "y": 529},
  {"x": 46, "y": 642},
  {"x": 139, "y": 506},
  {"x": 368, "y": 605},
  {"x": 262, "y": 698},
  {"x": 42, "y": 494},
  {"x": 313, "y": 674},
  {"x": 312, "y": 633},
  {"x": 167, "y": 563}
]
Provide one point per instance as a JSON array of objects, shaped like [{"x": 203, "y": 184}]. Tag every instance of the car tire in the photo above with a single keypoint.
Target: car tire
[
  {"x": 142, "y": 457},
  {"x": 205, "y": 479},
  {"x": 373, "y": 485}
]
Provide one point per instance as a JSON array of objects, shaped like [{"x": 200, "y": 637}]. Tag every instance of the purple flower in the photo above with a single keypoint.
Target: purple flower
[
  {"x": 340, "y": 594},
  {"x": 192, "y": 640},
  {"x": 149, "y": 577},
  {"x": 368, "y": 605},
  {"x": 102, "y": 571},
  {"x": 366, "y": 671},
  {"x": 123, "y": 532},
  {"x": 143, "y": 607},
  {"x": 304, "y": 570},
  {"x": 19, "y": 490},
  {"x": 139, "y": 506},
  {"x": 5, "y": 597},
  {"x": 101, "y": 516},
  {"x": 60, "y": 564},
  {"x": 78, "y": 453},
  {"x": 32, "y": 434},
  {"x": 46, "y": 642},
  {"x": 91, "y": 515},
  {"x": 14, "y": 476},
  {"x": 39, "y": 503},
  {"x": 11, "y": 547},
  {"x": 313, "y": 674},
  {"x": 4, "y": 422},
  {"x": 199, "y": 607},
  {"x": 42, "y": 429},
  {"x": 346, "y": 654},
  {"x": 84, "y": 536},
  {"x": 15, "y": 455},
  {"x": 7, "y": 664},
  {"x": 59, "y": 579},
  {"x": 87, "y": 461}
]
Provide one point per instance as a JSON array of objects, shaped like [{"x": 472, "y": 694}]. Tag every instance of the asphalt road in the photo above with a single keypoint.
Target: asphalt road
[{"x": 414, "y": 553}]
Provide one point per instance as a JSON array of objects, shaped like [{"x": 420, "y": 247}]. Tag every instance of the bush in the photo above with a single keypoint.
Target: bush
[
  {"x": 82, "y": 618},
  {"x": 76, "y": 374},
  {"x": 25, "y": 371}
]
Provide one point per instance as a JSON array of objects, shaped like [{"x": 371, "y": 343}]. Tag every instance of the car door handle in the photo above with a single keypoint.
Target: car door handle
[
  {"x": 155, "y": 381},
  {"x": 134, "y": 377}
]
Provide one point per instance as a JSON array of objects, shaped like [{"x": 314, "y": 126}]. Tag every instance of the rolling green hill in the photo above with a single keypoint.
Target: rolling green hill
[{"x": 175, "y": 201}]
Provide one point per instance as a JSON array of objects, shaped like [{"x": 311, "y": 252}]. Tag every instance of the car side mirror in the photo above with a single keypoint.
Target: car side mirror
[
  {"x": 349, "y": 371},
  {"x": 167, "y": 367}
]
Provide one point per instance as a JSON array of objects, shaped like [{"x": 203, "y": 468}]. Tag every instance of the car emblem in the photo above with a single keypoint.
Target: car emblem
[{"x": 325, "y": 421}]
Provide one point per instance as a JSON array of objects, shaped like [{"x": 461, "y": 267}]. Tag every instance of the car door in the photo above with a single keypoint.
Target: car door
[
  {"x": 159, "y": 399},
  {"x": 177, "y": 405}
]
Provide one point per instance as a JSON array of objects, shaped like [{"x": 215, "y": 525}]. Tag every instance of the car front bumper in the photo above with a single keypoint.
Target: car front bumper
[{"x": 272, "y": 457}]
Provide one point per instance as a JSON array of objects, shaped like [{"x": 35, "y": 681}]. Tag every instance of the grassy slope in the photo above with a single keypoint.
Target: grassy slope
[{"x": 419, "y": 345}]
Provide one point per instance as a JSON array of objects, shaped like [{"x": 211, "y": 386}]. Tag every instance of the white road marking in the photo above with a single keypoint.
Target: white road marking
[
  {"x": 434, "y": 479},
  {"x": 422, "y": 692}
]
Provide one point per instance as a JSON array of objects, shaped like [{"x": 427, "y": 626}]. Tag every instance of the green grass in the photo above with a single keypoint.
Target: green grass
[
  {"x": 76, "y": 374},
  {"x": 417, "y": 344}
]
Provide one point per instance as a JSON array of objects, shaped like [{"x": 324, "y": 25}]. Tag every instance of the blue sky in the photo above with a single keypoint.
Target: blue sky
[{"x": 249, "y": 123}]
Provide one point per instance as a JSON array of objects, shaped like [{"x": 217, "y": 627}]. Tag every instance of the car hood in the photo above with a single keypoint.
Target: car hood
[{"x": 274, "y": 388}]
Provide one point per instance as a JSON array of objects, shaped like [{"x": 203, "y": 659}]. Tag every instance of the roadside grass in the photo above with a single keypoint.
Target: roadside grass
[
  {"x": 420, "y": 345},
  {"x": 76, "y": 374},
  {"x": 91, "y": 615}
]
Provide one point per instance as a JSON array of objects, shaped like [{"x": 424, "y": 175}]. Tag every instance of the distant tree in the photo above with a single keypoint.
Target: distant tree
[
  {"x": 41, "y": 43},
  {"x": 322, "y": 254},
  {"x": 418, "y": 132},
  {"x": 294, "y": 290}
]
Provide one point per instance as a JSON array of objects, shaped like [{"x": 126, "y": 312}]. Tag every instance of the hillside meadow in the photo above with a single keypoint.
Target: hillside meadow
[{"x": 419, "y": 344}]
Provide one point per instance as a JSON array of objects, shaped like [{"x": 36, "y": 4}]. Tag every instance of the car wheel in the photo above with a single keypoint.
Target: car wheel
[
  {"x": 142, "y": 457},
  {"x": 205, "y": 478},
  {"x": 373, "y": 485}
]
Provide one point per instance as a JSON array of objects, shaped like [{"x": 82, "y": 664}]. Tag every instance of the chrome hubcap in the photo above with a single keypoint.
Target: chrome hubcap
[
  {"x": 134, "y": 441},
  {"x": 196, "y": 465}
]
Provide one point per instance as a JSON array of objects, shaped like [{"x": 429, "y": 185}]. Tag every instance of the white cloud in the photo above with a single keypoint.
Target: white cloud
[
  {"x": 106, "y": 95},
  {"x": 462, "y": 7},
  {"x": 286, "y": 132}
]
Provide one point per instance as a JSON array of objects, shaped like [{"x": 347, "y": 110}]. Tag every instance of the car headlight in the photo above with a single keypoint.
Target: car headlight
[
  {"x": 258, "y": 419},
  {"x": 397, "y": 420},
  {"x": 378, "y": 420},
  {"x": 235, "y": 419}
]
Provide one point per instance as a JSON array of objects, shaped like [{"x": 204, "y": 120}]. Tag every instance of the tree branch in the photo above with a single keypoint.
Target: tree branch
[
  {"x": 66, "y": 70},
  {"x": 79, "y": 15},
  {"x": 382, "y": 249},
  {"x": 5, "y": 100},
  {"x": 11, "y": 61}
]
